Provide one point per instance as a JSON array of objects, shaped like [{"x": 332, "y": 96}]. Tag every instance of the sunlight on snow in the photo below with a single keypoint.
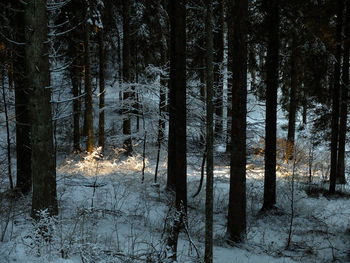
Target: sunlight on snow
[{"x": 95, "y": 164}]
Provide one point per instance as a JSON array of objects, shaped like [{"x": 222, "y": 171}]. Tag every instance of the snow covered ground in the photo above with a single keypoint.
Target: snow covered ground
[{"x": 107, "y": 215}]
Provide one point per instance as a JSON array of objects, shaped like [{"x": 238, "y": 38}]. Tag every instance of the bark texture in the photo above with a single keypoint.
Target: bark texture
[
  {"x": 335, "y": 98},
  {"x": 177, "y": 162},
  {"x": 38, "y": 80},
  {"x": 272, "y": 22},
  {"x": 344, "y": 101},
  {"x": 208, "y": 255},
  {"x": 23, "y": 142},
  {"x": 237, "y": 64}
]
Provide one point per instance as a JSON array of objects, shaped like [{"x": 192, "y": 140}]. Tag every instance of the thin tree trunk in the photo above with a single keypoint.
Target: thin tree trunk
[
  {"x": 344, "y": 101},
  {"x": 238, "y": 24},
  {"x": 88, "y": 114},
  {"x": 136, "y": 106},
  {"x": 202, "y": 92},
  {"x": 219, "y": 57},
  {"x": 75, "y": 72},
  {"x": 101, "y": 120},
  {"x": 127, "y": 144},
  {"x": 162, "y": 109},
  {"x": 335, "y": 98},
  {"x": 208, "y": 256},
  {"x": 38, "y": 80},
  {"x": 162, "y": 100},
  {"x": 120, "y": 73},
  {"x": 292, "y": 103},
  {"x": 7, "y": 131},
  {"x": 204, "y": 158},
  {"x": 229, "y": 117},
  {"x": 76, "y": 83},
  {"x": 272, "y": 22}
]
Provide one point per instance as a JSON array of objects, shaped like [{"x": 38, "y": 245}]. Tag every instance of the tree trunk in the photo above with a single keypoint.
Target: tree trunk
[
  {"x": 177, "y": 163},
  {"x": 272, "y": 22},
  {"x": 162, "y": 109},
  {"x": 38, "y": 80},
  {"x": 292, "y": 102},
  {"x": 23, "y": 142},
  {"x": 119, "y": 56},
  {"x": 208, "y": 256},
  {"x": 237, "y": 63},
  {"x": 162, "y": 97},
  {"x": 9, "y": 170},
  {"x": 88, "y": 113},
  {"x": 229, "y": 117},
  {"x": 101, "y": 120},
  {"x": 219, "y": 57},
  {"x": 344, "y": 101},
  {"x": 202, "y": 92},
  {"x": 127, "y": 144},
  {"x": 335, "y": 98},
  {"x": 75, "y": 72}
]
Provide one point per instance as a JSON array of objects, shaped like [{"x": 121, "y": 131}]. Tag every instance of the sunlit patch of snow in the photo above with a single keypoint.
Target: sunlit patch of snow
[{"x": 95, "y": 164}]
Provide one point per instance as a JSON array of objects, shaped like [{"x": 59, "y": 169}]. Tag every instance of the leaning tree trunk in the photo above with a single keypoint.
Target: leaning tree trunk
[
  {"x": 344, "y": 101},
  {"x": 272, "y": 22},
  {"x": 38, "y": 81},
  {"x": 238, "y": 24},
  {"x": 208, "y": 256},
  {"x": 335, "y": 98}
]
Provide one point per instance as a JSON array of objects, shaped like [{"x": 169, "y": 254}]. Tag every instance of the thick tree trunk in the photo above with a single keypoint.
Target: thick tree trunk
[
  {"x": 272, "y": 22},
  {"x": 208, "y": 256},
  {"x": 335, "y": 98},
  {"x": 219, "y": 57},
  {"x": 38, "y": 80},
  {"x": 344, "y": 101},
  {"x": 237, "y": 64},
  {"x": 101, "y": 120},
  {"x": 177, "y": 162},
  {"x": 127, "y": 144},
  {"x": 88, "y": 113},
  {"x": 292, "y": 103}
]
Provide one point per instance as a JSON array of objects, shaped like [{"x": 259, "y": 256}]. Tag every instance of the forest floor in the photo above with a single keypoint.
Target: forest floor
[{"x": 106, "y": 214}]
